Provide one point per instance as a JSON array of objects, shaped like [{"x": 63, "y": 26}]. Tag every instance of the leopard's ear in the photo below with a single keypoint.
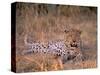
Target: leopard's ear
[{"x": 79, "y": 31}]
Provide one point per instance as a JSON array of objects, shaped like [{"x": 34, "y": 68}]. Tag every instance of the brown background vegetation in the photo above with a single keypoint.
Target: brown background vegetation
[{"x": 44, "y": 22}]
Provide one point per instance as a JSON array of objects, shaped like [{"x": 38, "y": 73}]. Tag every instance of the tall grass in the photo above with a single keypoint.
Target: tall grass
[{"x": 42, "y": 22}]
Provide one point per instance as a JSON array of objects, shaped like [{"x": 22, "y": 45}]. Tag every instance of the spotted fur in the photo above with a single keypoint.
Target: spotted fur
[{"x": 69, "y": 49}]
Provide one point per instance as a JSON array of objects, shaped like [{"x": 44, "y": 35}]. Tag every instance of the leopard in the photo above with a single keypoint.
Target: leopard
[
  {"x": 73, "y": 42},
  {"x": 68, "y": 49}
]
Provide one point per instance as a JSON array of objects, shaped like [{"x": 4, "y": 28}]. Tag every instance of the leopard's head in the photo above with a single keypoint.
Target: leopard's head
[{"x": 72, "y": 38}]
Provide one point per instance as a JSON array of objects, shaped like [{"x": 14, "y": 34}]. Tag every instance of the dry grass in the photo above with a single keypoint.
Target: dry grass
[
  {"x": 81, "y": 65},
  {"x": 51, "y": 26},
  {"x": 47, "y": 62},
  {"x": 39, "y": 62}
]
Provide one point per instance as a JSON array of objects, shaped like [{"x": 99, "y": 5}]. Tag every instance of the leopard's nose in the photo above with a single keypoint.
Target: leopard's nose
[
  {"x": 73, "y": 45},
  {"x": 74, "y": 41}
]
